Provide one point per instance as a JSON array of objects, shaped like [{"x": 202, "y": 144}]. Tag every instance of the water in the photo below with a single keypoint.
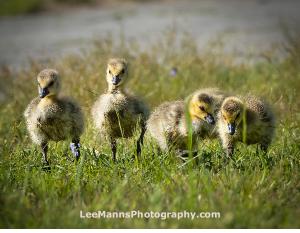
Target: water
[{"x": 246, "y": 25}]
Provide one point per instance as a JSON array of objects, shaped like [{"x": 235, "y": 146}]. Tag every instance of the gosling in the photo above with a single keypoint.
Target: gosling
[
  {"x": 117, "y": 113},
  {"x": 53, "y": 118},
  {"x": 249, "y": 115},
  {"x": 168, "y": 124}
]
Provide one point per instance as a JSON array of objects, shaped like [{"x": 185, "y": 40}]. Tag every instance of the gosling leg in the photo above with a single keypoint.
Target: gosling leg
[
  {"x": 229, "y": 151},
  {"x": 113, "y": 144},
  {"x": 228, "y": 145},
  {"x": 140, "y": 141},
  {"x": 44, "y": 156},
  {"x": 264, "y": 147}
]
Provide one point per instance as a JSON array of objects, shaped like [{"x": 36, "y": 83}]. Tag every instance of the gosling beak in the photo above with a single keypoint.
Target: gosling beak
[
  {"x": 210, "y": 119},
  {"x": 231, "y": 128},
  {"x": 43, "y": 92},
  {"x": 115, "y": 80}
]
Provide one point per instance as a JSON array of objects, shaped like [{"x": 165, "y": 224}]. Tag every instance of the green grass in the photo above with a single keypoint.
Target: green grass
[
  {"x": 16, "y": 7},
  {"x": 24, "y": 7},
  {"x": 252, "y": 190},
  {"x": 21, "y": 7}
]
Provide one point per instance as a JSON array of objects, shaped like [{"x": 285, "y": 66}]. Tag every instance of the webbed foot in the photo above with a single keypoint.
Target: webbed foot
[{"x": 74, "y": 146}]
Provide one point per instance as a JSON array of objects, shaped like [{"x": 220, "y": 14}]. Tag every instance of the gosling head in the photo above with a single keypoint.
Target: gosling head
[
  {"x": 231, "y": 113},
  {"x": 48, "y": 83},
  {"x": 116, "y": 72},
  {"x": 201, "y": 107}
]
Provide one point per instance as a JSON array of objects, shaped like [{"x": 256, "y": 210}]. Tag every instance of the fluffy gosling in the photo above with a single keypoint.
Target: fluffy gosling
[
  {"x": 168, "y": 123},
  {"x": 117, "y": 113},
  {"x": 249, "y": 113},
  {"x": 53, "y": 118}
]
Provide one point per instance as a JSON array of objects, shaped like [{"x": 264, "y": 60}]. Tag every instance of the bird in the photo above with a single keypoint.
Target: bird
[
  {"x": 118, "y": 113},
  {"x": 246, "y": 119},
  {"x": 51, "y": 117},
  {"x": 205, "y": 104},
  {"x": 168, "y": 123}
]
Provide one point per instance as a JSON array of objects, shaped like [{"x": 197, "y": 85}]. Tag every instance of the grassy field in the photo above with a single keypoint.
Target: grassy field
[
  {"x": 21, "y": 7},
  {"x": 252, "y": 190}
]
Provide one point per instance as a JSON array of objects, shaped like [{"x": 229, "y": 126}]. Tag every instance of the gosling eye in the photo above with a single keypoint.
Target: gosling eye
[
  {"x": 238, "y": 115},
  {"x": 122, "y": 71},
  {"x": 202, "y": 108},
  {"x": 109, "y": 71},
  {"x": 51, "y": 84}
]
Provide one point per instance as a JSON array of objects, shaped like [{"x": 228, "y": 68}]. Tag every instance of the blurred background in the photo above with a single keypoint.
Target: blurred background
[{"x": 43, "y": 29}]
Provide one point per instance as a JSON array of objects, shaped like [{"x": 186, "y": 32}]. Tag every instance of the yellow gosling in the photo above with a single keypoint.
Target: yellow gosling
[
  {"x": 53, "y": 118},
  {"x": 117, "y": 113},
  {"x": 245, "y": 113},
  {"x": 168, "y": 124}
]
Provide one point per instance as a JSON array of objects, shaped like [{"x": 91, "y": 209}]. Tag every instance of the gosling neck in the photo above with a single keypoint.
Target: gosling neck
[
  {"x": 114, "y": 88},
  {"x": 49, "y": 98}
]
